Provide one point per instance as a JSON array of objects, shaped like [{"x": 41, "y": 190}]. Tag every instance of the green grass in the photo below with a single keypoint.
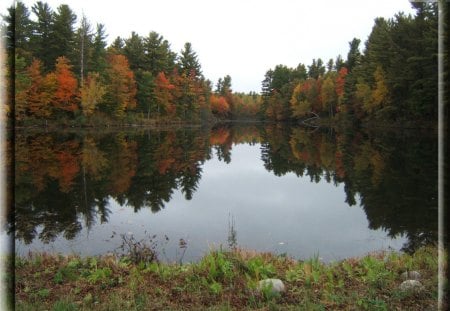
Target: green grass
[{"x": 225, "y": 280}]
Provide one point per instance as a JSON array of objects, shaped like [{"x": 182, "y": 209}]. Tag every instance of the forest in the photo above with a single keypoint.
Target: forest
[
  {"x": 60, "y": 72},
  {"x": 394, "y": 79}
]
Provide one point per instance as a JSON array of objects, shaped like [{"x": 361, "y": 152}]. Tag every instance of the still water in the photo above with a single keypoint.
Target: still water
[{"x": 285, "y": 190}]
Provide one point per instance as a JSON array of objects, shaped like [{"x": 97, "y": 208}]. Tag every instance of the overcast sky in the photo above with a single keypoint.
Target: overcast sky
[{"x": 242, "y": 38}]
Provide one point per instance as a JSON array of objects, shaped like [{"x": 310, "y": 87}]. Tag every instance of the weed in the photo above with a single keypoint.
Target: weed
[
  {"x": 88, "y": 299},
  {"x": 99, "y": 275},
  {"x": 65, "y": 273},
  {"x": 215, "y": 288},
  {"x": 371, "y": 304},
  {"x": 43, "y": 293},
  {"x": 74, "y": 263},
  {"x": 64, "y": 305},
  {"x": 218, "y": 266},
  {"x": 137, "y": 250},
  {"x": 135, "y": 280},
  {"x": 232, "y": 233},
  {"x": 258, "y": 269}
]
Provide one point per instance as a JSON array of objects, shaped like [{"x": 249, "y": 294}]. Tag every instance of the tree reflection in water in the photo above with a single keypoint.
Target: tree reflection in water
[{"x": 63, "y": 181}]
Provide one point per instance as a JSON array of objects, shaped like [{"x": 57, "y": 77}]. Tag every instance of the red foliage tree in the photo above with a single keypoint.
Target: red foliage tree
[
  {"x": 340, "y": 81},
  {"x": 219, "y": 105},
  {"x": 66, "y": 91},
  {"x": 163, "y": 94}
]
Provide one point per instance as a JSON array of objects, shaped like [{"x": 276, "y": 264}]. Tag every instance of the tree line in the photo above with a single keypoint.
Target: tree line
[
  {"x": 61, "y": 72},
  {"x": 393, "y": 79}
]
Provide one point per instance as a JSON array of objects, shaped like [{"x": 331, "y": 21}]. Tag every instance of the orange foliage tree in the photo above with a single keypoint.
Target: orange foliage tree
[
  {"x": 121, "y": 91},
  {"x": 339, "y": 86},
  {"x": 66, "y": 91},
  {"x": 41, "y": 91},
  {"x": 163, "y": 95},
  {"x": 219, "y": 106}
]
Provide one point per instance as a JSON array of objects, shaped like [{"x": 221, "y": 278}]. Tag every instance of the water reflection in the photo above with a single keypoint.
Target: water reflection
[{"x": 66, "y": 182}]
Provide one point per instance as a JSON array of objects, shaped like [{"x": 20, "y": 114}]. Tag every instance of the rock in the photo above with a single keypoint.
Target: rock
[
  {"x": 276, "y": 285},
  {"x": 411, "y": 275},
  {"x": 411, "y": 285}
]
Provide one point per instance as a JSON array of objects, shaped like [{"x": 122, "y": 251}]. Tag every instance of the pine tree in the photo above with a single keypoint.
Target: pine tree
[
  {"x": 188, "y": 62},
  {"x": 43, "y": 34},
  {"x": 158, "y": 56},
  {"x": 97, "y": 61},
  {"x": 18, "y": 31},
  {"x": 63, "y": 33}
]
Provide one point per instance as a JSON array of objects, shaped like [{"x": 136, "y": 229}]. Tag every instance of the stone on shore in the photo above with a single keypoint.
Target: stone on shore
[
  {"x": 411, "y": 285},
  {"x": 411, "y": 275},
  {"x": 276, "y": 285}
]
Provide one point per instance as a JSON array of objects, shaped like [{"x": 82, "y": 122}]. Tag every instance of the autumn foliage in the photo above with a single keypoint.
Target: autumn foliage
[
  {"x": 122, "y": 86},
  {"x": 219, "y": 105},
  {"x": 164, "y": 95},
  {"x": 66, "y": 90},
  {"x": 41, "y": 91}
]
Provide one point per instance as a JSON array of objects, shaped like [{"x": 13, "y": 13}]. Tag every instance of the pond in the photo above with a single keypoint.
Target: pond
[{"x": 270, "y": 188}]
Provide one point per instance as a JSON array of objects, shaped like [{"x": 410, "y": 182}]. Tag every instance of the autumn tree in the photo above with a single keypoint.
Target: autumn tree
[
  {"x": 219, "y": 106},
  {"x": 339, "y": 85},
  {"x": 92, "y": 93},
  {"x": 380, "y": 91},
  {"x": 163, "y": 95},
  {"x": 41, "y": 91},
  {"x": 300, "y": 105},
  {"x": 121, "y": 86},
  {"x": 363, "y": 96},
  {"x": 328, "y": 94},
  {"x": 66, "y": 91}
]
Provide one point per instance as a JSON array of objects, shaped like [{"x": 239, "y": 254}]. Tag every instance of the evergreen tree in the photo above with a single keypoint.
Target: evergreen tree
[
  {"x": 63, "y": 33},
  {"x": 134, "y": 51},
  {"x": 339, "y": 63},
  {"x": 97, "y": 61},
  {"x": 18, "y": 31},
  {"x": 316, "y": 69},
  {"x": 299, "y": 73},
  {"x": 353, "y": 56},
  {"x": 158, "y": 56},
  {"x": 188, "y": 62},
  {"x": 42, "y": 34},
  {"x": 117, "y": 46}
]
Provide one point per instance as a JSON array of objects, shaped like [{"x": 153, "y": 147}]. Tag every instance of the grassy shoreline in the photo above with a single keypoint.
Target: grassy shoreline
[{"x": 225, "y": 280}]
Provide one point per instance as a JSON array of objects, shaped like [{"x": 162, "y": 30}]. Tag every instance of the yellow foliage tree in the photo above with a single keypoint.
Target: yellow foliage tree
[
  {"x": 92, "y": 93},
  {"x": 380, "y": 91}
]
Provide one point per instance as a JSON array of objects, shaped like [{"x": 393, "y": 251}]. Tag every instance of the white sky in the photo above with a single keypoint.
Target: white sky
[{"x": 242, "y": 38}]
